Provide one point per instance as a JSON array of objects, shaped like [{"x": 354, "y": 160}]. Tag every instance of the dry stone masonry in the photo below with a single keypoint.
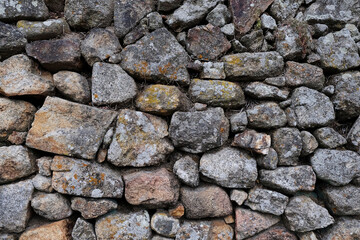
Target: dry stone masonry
[{"x": 179, "y": 119}]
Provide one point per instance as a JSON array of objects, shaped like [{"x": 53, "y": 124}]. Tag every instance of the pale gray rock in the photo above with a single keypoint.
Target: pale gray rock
[
  {"x": 12, "y": 41},
  {"x": 187, "y": 170},
  {"x": 42, "y": 30},
  {"x": 158, "y": 237},
  {"x": 355, "y": 34},
  {"x": 267, "y": 201},
  {"x": 266, "y": 115},
  {"x": 268, "y": 22},
  {"x": 238, "y": 122},
  {"x": 353, "y": 136},
  {"x": 238, "y": 196},
  {"x": 284, "y": 9},
  {"x": 30, "y": 10},
  {"x": 276, "y": 81},
  {"x": 329, "y": 138},
  {"x": 261, "y": 90},
  {"x": 219, "y": 16},
  {"x": 44, "y": 164},
  {"x": 342, "y": 200},
  {"x": 73, "y": 86},
  {"x": 303, "y": 74},
  {"x": 92, "y": 208},
  {"x": 344, "y": 227},
  {"x": 83, "y": 230},
  {"x": 165, "y": 225},
  {"x": 168, "y": 5},
  {"x": 309, "y": 143},
  {"x": 229, "y": 31},
  {"x": 268, "y": 161},
  {"x": 213, "y": 70},
  {"x": 52, "y": 206},
  {"x": 287, "y": 143},
  {"x": 198, "y": 230},
  {"x": 42, "y": 183}
]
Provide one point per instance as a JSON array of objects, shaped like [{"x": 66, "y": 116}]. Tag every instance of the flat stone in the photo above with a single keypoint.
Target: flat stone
[
  {"x": 124, "y": 225},
  {"x": 20, "y": 76},
  {"x": 83, "y": 230},
  {"x": 158, "y": 237},
  {"x": 60, "y": 230},
  {"x": 342, "y": 200},
  {"x": 92, "y": 208},
  {"x": 307, "y": 236},
  {"x": 57, "y": 54},
  {"x": 164, "y": 224},
  {"x": 284, "y": 9},
  {"x": 245, "y": 13},
  {"x": 68, "y": 128},
  {"x": 153, "y": 189},
  {"x": 277, "y": 232},
  {"x": 302, "y": 215},
  {"x": 248, "y": 222},
  {"x": 303, "y": 74},
  {"x": 206, "y": 42},
  {"x": 140, "y": 139},
  {"x": 229, "y": 31},
  {"x": 238, "y": 122},
  {"x": 42, "y": 183},
  {"x": 111, "y": 84},
  {"x": 309, "y": 143},
  {"x": 12, "y": 41},
  {"x": 253, "y": 141},
  {"x": 157, "y": 57},
  {"x": 73, "y": 86},
  {"x": 267, "y": 201},
  {"x": 345, "y": 227},
  {"x": 187, "y": 170},
  {"x": 15, "y": 206},
  {"x": 219, "y": 16},
  {"x": 276, "y": 81},
  {"x": 353, "y": 136},
  {"x": 213, "y": 70},
  {"x": 30, "y": 10},
  {"x": 205, "y": 201},
  {"x": 289, "y": 180},
  {"x": 217, "y": 93},
  {"x": 253, "y": 66},
  {"x": 287, "y": 143},
  {"x": 52, "y": 206},
  {"x": 238, "y": 196},
  {"x": 268, "y": 161},
  {"x": 329, "y": 138},
  {"x": 266, "y": 115},
  {"x": 83, "y": 178},
  {"x": 335, "y": 166},
  {"x": 261, "y": 90},
  {"x": 42, "y": 30}
]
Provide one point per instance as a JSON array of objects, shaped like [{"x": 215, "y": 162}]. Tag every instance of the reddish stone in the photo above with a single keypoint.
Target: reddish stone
[{"x": 275, "y": 233}]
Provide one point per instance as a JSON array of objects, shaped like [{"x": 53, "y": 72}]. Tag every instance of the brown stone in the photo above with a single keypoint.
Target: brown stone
[
  {"x": 17, "y": 138},
  {"x": 220, "y": 230},
  {"x": 252, "y": 140},
  {"x": 275, "y": 233},
  {"x": 60, "y": 230},
  {"x": 92, "y": 208},
  {"x": 178, "y": 211}
]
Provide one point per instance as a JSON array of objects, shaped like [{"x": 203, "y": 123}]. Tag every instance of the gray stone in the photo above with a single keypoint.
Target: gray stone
[
  {"x": 158, "y": 237},
  {"x": 253, "y": 41},
  {"x": 287, "y": 143},
  {"x": 157, "y": 57},
  {"x": 276, "y": 81},
  {"x": 320, "y": 30},
  {"x": 303, "y": 74},
  {"x": 136, "y": 33},
  {"x": 12, "y": 41},
  {"x": 266, "y": 115},
  {"x": 289, "y": 180},
  {"x": 229, "y": 167},
  {"x": 155, "y": 21},
  {"x": 92, "y": 208},
  {"x": 343, "y": 228},
  {"x": 238, "y": 196},
  {"x": 197, "y": 132},
  {"x": 253, "y": 66},
  {"x": 52, "y": 206},
  {"x": 269, "y": 161},
  {"x": 238, "y": 122},
  {"x": 229, "y": 31},
  {"x": 335, "y": 166},
  {"x": 83, "y": 178},
  {"x": 313, "y": 58},
  {"x": 163, "y": 224},
  {"x": 355, "y": 34},
  {"x": 260, "y": 90},
  {"x": 267, "y": 201},
  {"x": 338, "y": 51},
  {"x": 302, "y": 215},
  {"x": 307, "y": 236},
  {"x": 285, "y": 104},
  {"x": 44, "y": 164},
  {"x": 267, "y": 22},
  {"x": 168, "y": 5},
  {"x": 284, "y": 9},
  {"x": 219, "y": 16},
  {"x": 83, "y": 230},
  {"x": 31, "y": 10},
  {"x": 85, "y": 14},
  {"x": 36, "y": 30},
  {"x": 329, "y": 138},
  {"x": 213, "y": 70},
  {"x": 353, "y": 136},
  {"x": 15, "y": 206},
  {"x": 8, "y": 236},
  {"x": 42, "y": 183},
  {"x": 343, "y": 200},
  {"x": 197, "y": 230},
  {"x": 309, "y": 143},
  {"x": 253, "y": 141},
  {"x": 329, "y": 90},
  {"x": 187, "y": 170}
]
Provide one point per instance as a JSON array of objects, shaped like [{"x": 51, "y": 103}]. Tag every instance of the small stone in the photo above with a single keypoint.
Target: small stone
[
  {"x": 302, "y": 215},
  {"x": 31, "y": 10},
  {"x": 260, "y": 90},
  {"x": 55, "y": 5},
  {"x": 12, "y": 40},
  {"x": 213, "y": 70},
  {"x": 222, "y": 165},
  {"x": 238, "y": 122},
  {"x": 276, "y": 81},
  {"x": 353, "y": 136},
  {"x": 205, "y": 201},
  {"x": 178, "y": 211},
  {"x": 344, "y": 227},
  {"x": 73, "y": 86},
  {"x": 124, "y": 225},
  {"x": 253, "y": 141},
  {"x": 342, "y": 200},
  {"x": 267, "y": 201},
  {"x": 155, "y": 21},
  {"x": 187, "y": 170},
  {"x": 92, "y": 208},
  {"x": 135, "y": 34},
  {"x": 329, "y": 138},
  {"x": 277, "y": 232},
  {"x": 229, "y": 219},
  {"x": 320, "y": 30},
  {"x": 287, "y": 143},
  {"x": 284, "y": 9},
  {"x": 42, "y": 183},
  {"x": 286, "y": 104},
  {"x": 164, "y": 224},
  {"x": 267, "y": 22},
  {"x": 266, "y": 115},
  {"x": 194, "y": 230},
  {"x": 329, "y": 90},
  {"x": 229, "y": 31},
  {"x": 219, "y": 16},
  {"x": 307, "y": 236},
  {"x": 303, "y": 74},
  {"x": 52, "y": 206},
  {"x": 60, "y": 230},
  {"x": 238, "y": 196},
  {"x": 269, "y": 161},
  {"x": 48, "y": 29},
  {"x": 168, "y": 5},
  {"x": 269, "y": 37},
  {"x": 313, "y": 58},
  {"x": 289, "y": 180},
  {"x": 44, "y": 164},
  {"x": 309, "y": 143},
  {"x": 220, "y": 230},
  {"x": 83, "y": 230},
  {"x": 17, "y": 138},
  {"x": 253, "y": 40}
]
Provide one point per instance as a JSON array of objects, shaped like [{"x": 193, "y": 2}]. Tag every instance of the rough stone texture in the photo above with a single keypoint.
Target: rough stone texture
[
  {"x": 284, "y": 9},
  {"x": 187, "y": 170},
  {"x": 205, "y": 201},
  {"x": 60, "y": 230},
  {"x": 309, "y": 143},
  {"x": 277, "y": 232},
  {"x": 219, "y": 16},
  {"x": 303, "y": 74},
  {"x": 124, "y": 225},
  {"x": 139, "y": 140},
  {"x": 217, "y": 93},
  {"x": 197, "y": 132},
  {"x": 344, "y": 228},
  {"x": 289, "y": 179},
  {"x": 83, "y": 230},
  {"x": 338, "y": 51},
  {"x": 263, "y": 91},
  {"x": 35, "y": 30},
  {"x": 342, "y": 200},
  {"x": 268, "y": 161},
  {"x": 310, "y": 108},
  {"x": 99, "y": 45},
  {"x": 213, "y": 70},
  {"x": 220, "y": 230},
  {"x": 157, "y": 57},
  {"x": 206, "y": 42},
  {"x": 111, "y": 84},
  {"x": 266, "y": 115},
  {"x": 85, "y": 14},
  {"x": 12, "y": 41},
  {"x": 42, "y": 183},
  {"x": 52, "y": 206},
  {"x": 44, "y": 164},
  {"x": 254, "y": 41},
  {"x": 229, "y": 167},
  {"x": 253, "y": 66},
  {"x": 92, "y": 208},
  {"x": 83, "y": 178},
  {"x": 67, "y": 128},
  {"x": 20, "y": 76},
  {"x": 164, "y": 224},
  {"x": 73, "y": 86},
  {"x": 267, "y": 201},
  {"x": 287, "y": 143},
  {"x": 248, "y": 222},
  {"x": 268, "y": 22},
  {"x": 329, "y": 138},
  {"x": 167, "y": 5},
  {"x": 302, "y": 215},
  {"x": 153, "y": 189},
  {"x": 353, "y": 136},
  {"x": 238, "y": 196},
  {"x": 335, "y": 166},
  {"x": 31, "y": 10},
  {"x": 253, "y": 141},
  {"x": 238, "y": 122},
  {"x": 15, "y": 206},
  {"x": 276, "y": 81},
  {"x": 194, "y": 230}
]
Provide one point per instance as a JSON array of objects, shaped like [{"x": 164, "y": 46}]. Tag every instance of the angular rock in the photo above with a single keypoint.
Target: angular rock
[
  {"x": 268, "y": 161},
  {"x": 336, "y": 167},
  {"x": 155, "y": 21},
  {"x": 111, "y": 84},
  {"x": 263, "y": 91},
  {"x": 139, "y": 140},
  {"x": 229, "y": 167},
  {"x": 187, "y": 170},
  {"x": 338, "y": 51},
  {"x": 158, "y": 237},
  {"x": 284, "y": 9},
  {"x": 303, "y": 74},
  {"x": 83, "y": 230},
  {"x": 309, "y": 143},
  {"x": 253, "y": 66},
  {"x": 219, "y": 16},
  {"x": 31, "y": 10},
  {"x": 92, "y": 208},
  {"x": 205, "y": 201},
  {"x": 217, "y": 93},
  {"x": 153, "y": 189},
  {"x": 268, "y": 22},
  {"x": 35, "y": 30},
  {"x": 287, "y": 143},
  {"x": 253, "y": 141},
  {"x": 342, "y": 200},
  {"x": 73, "y": 86},
  {"x": 57, "y": 54},
  {"x": 267, "y": 201},
  {"x": 197, "y": 132},
  {"x": 164, "y": 224},
  {"x": 157, "y": 57},
  {"x": 124, "y": 225},
  {"x": 248, "y": 222},
  {"x": 52, "y": 206},
  {"x": 229, "y": 31},
  {"x": 83, "y": 178},
  {"x": 266, "y": 115},
  {"x": 15, "y": 206},
  {"x": 177, "y": 211},
  {"x": 12, "y": 41},
  {"x": 44, "y": 165},
  {"x": 60, "y": 230},
  {"x": 353, "y": 136},
  {"x": 17, "y": 138},
  {"x": 277, "y": 232},
  {"x": 213, "y": 70},
  {"x": 19, "y": 76},
  {"x": 68, "y": 128},
  {"x": 329, "y": 138},
  {"x": 238, "y": 122},
  {"x": 344, "y": 228},
  {"x": 42, "y": 183},
  {"x": 302, "y": 215},
  {"x": 253, "y": 41},
  {"x": 238, "y": 196},
  {"x": 138, "y": 32},
  {"x": 289, "y": 180}
]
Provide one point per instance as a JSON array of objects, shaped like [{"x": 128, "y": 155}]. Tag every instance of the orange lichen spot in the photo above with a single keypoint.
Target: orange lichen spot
[
  {"x": 102, "y": 176},
  {"x": 222, "y": 129},
  {"x": 85, "y": 165},
  {"x": 165, "y": 68},
  {"x": 96, "y": 96},
  {"x": 200, "y": 56},
  {"x": 75, "y": 176},
  {"x": 59, "y": 166},
  {"x": 72, "y": 187}
]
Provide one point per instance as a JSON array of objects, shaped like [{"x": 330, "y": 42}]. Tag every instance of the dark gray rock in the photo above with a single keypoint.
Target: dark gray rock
[
  {"x": 320, "y": 30},
  {"x": 303, "y": 74},
  {"x": 92, "y": 208},
  {"x": 163, "y": 224},
  {"x": 269, "y": 161},
  {"x": 37, "y": 30},
  {"x": 187, "y": 170},
  {"x": 266, "y": 115},
  {"x": 342, "y": 200},
  {"x": 168, "y": 5},
  {"x": 353, "y": 136},
  {"x": 309, "y": 143},
  {"x": 329, "y": 90},
  {"x": 83, "y": 230},
  {"x": 52, "y": 206},
  {"x": 136, "y": 33},
  {"x": 263, "y": 91},
  {"x": 253, "y": 141},
  {"x": 267, "y": 201},
  {"x": 343, "y": 228},
  {"x": 238, "y": 122},
  {"x": 55, "y": 5},
  {"x": 219, "y": 16},
  {"x": 30, "y": 10},
  {"x": 288, "y": 145},
  {"x": 329, "y": 138},
  {"x": 253, "y": 41},
  {"x": 12, "y": 41},
  {"x": 284, "y": 9}
]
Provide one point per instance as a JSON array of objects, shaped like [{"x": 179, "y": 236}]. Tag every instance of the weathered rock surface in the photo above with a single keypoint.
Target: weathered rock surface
[
  {"x": 266, "y": 115},
  {"x": 344, "y": 227},
  {"x": 92, "y": 208},
  {"x": 303, "y": 74},
  {"x": 83, "y": 230},
  {"x": 167, "y": 5},
  {"x": 219, "y": 16},
  {"x": 277, "y": 232},
  {"x": 12, "y": 41},
  {"x": 353, "y": 136},
  {"x": 253, "y": 141},
  {"x": 73, "y": 86},
  {"x": 164, "y": 224},
  {"x": 342, "y": 200},
  {"x": 238, "y": 196},
  {"x": 238, "y": 122},
  {"x": 267, "y": 201},
  {"x": 213, "y": 70},
  {"x": 52, "y": 206},
  {"x": 285, "y": 9},
  {"x": 31, "y": 10},
  {"x": 268, "y": 161},
  {"x": 309, "y": 143},
  {"x": 42, "y": 183},
  {"x": 36, "y": 30},
  {"x": 187, "y": 170},
  {"x": 328, "y": 138},
  {"x": 60, "y": 230},
  {"x": 263, "y": 91},
  {"x": 287, "y": 143},
  {"x": 44, "y": 165}
]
